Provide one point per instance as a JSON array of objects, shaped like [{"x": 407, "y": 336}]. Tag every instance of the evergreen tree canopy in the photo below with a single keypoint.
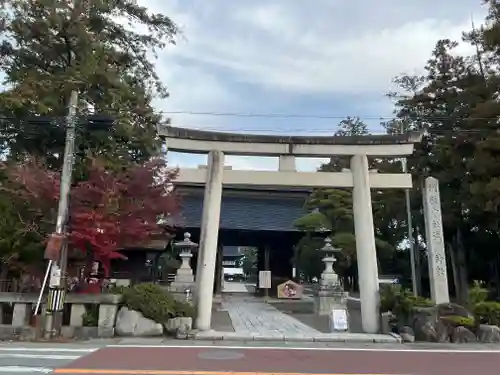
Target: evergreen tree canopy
[
  {"x": 331, "y": 210},
  {"x": 102, "y": 49}
]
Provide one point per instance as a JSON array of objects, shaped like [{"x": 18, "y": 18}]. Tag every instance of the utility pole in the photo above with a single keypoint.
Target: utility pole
[
  {"x": 56, "y": 271},
  {"x": 409, "y": 220},
  {"x": 58, "y": 243}
]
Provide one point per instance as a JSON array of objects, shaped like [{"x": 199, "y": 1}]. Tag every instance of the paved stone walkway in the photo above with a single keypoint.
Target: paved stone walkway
[
  {"x": 254, "y": 320},
  {"x": 258, "y": 318},
  {"x": 234, "y": 287}
]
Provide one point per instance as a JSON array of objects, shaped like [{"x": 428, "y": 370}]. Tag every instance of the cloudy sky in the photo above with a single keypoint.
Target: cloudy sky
[{"x": 333, "y": 58}]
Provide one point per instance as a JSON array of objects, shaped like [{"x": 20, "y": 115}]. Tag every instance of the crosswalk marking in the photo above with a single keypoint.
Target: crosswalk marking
[
  {"x": 40, "y": 356},
  {"x": 41, "y": 360},
  {"x": 25, "y": 370},
  {"x": 44, "y": 349}
]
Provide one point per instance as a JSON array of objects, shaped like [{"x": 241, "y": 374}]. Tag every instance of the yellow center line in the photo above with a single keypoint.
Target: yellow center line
[{"x": 181, "y": 372}]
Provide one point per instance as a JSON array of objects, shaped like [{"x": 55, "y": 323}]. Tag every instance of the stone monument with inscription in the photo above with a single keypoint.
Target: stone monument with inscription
[{"x": 435, "y": 241}]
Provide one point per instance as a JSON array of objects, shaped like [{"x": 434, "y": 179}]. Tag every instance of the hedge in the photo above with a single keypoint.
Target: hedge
[
  {"x": 487, "y": 312},
  {"x": 401, "y": 301},
  {"x": 155, "y": 303}
]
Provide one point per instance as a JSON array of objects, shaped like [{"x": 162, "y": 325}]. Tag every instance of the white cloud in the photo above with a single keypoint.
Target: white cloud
[
  {"x": 272, "y": 44},
  {"x": 307, "y": 50},
  {"x": 192, "y": 88}
]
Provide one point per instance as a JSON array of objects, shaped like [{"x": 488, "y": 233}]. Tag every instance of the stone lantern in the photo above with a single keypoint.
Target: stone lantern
[
  {"x": 184, "y": 279},
  {"x": 329, "y": 279},
  {"x": 331, "y": 297}
]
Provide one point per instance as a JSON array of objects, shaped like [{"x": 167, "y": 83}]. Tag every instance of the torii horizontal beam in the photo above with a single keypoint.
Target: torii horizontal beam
[{"x": 285, "y": 180}]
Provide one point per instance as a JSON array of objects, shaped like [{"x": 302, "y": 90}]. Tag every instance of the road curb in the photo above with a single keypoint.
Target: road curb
[{"x": 324, "y": 338}]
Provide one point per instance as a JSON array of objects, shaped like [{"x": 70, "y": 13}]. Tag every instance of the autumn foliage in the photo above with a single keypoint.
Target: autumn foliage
[{"x": 108, "y": 210}]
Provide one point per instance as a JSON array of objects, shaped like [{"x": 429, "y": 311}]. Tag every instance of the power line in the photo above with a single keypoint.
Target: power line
[
  {"x": 296, "y": 116},
  {"x": 275, "y": 115},
  {"x": 313, "y": 116},
  {"x": 38, "y": 123},
  {"x": 229, "y": 129}
]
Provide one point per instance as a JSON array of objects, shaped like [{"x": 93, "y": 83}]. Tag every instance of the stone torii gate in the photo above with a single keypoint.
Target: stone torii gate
[{"x": 287, "y": 148}]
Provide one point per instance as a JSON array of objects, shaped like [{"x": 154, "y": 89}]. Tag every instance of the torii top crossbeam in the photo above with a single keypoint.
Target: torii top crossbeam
[{"x": 201, "y": 141}]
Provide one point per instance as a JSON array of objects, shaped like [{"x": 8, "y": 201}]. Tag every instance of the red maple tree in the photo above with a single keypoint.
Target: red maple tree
[{"x": 108, "y": 210}]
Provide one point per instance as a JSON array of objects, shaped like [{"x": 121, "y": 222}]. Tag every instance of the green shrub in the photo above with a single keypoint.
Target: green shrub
[
  {"x": 155, "y": 303},
  {"x": 477, "y": 294},
  {"x": 151, "y": 301},
  {"x": 456, "y": 320},
  {"x": 399, "y": 301},
  {"x": 388, "y": 297},
  {"x": 90, "y": 318},
  {"x": 184, "y": 309},
  {"x": 487, "y": 312},
  {"x": 117, "y": 289}
]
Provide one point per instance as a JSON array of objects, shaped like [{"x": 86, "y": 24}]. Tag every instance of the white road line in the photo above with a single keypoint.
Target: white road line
[
  {"x": 40, "y": 356},
  {"x": 46, "y": 349},
  {"x": 316, "y": 348},
  {"x": 25, "y": 370}
]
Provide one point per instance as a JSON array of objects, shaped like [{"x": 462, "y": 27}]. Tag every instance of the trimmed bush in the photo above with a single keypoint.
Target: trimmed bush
[
  {"x": 477, "y": 294},
  {"x": 487, "y": 312},
  {"x": 401, "y": 302},
  {"x": 456, "y": 321},
  {"x": 184, "y": 309},
  {"x": 90, "y": 317},
  {"x": 117, "y": 289},
  {"x": 155, "y": 303}
]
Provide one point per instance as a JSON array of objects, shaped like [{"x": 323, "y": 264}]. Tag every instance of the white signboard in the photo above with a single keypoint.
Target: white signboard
[
  {"x": 55, "y": 276},
  {"x": 435, "y": 241},
  {"x": 265, "y": 279},
  {"x": 338, "y": 320}
]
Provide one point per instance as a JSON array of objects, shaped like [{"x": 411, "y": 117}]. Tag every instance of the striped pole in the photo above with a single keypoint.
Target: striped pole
[{"x": 55, "y": 301}]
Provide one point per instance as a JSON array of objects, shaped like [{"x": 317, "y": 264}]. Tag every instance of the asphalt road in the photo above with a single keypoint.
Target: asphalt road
[
  {"x": 169, "y": 358},
  {"x": 219, "y": 360}
]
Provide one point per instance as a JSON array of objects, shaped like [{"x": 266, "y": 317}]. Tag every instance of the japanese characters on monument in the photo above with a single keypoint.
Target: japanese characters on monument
[{"x": 435, "y": 241}]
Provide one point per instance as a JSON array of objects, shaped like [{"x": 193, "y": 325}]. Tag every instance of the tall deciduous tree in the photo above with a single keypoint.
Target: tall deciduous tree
[
  {"x": 102, "y": 49},
  {"x": 109, "y": 210}
]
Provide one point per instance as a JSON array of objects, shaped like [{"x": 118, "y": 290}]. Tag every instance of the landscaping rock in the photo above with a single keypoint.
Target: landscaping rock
[
  {"x": 428, "y": 327},
  {"x": 407, "y": 334},
  {"x": 454, "y": 315},
  {"x": 385, "y": 322},
  {"x": 180, "y": 326},
  {"x": 182, "y": 332},
  {"x": 462, "y": 335},
  {"x": 133, "y": 323},
  {"x": 439, "y": 323},
  {"x": 488, "y": 334}
]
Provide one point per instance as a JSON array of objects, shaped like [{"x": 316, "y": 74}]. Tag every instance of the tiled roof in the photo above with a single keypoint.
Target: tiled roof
[{"x": 247, "y": 212}]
